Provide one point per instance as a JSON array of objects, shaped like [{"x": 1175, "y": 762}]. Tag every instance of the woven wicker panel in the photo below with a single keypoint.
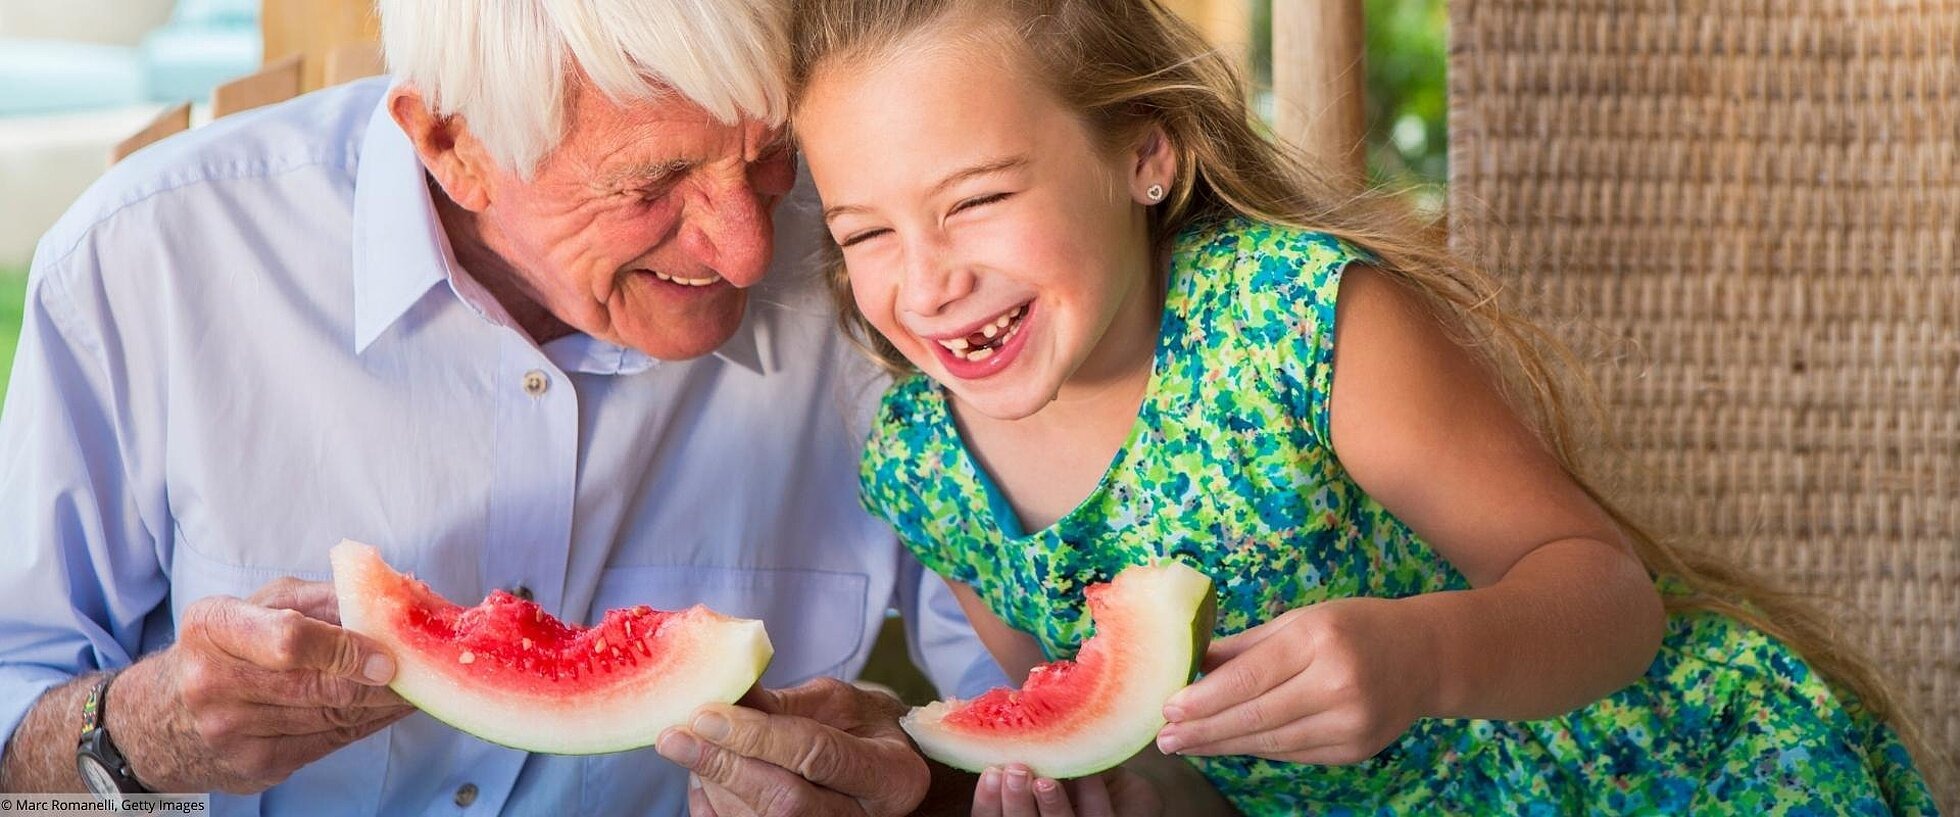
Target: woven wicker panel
[{"x": 1747, "y": 213}]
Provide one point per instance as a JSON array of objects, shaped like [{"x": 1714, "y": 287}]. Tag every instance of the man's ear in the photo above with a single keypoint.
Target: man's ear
[
  {"x": 1153, "y": 164},
  {"x": 453, "y": 157}
]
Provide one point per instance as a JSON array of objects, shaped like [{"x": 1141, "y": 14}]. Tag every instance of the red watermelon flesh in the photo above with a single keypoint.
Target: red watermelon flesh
[
  {"x": 1076, "y": 718},
  {"x": 508, "y": 672}
]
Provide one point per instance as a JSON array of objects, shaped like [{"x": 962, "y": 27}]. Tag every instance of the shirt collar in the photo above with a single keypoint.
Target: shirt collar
[{"x": 400, "y": 253}]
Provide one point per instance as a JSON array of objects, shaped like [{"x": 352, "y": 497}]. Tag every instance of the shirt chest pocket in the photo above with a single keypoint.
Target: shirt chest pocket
[
  {"x": 816, "y": 618},
  {"x": 344, "y": 782}
]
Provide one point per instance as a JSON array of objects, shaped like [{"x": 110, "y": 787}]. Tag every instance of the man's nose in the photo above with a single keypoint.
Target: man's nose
[
  {"x": 933, "y": 280},
  {"x": 731, "y": 232}
]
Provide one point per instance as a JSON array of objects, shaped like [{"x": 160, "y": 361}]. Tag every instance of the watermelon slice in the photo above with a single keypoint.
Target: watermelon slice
[
  {"x": 1077, "y": 718},
  {"x": 509, "y": 673}
]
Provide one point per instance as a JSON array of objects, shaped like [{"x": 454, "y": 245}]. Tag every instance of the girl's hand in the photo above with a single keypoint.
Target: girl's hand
[
  {"x": 1331, "y": 683},
  {"x": 1013, "y": 791}
]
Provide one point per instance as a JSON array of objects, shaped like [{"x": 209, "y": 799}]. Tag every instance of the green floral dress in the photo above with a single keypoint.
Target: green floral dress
[{"x": 1229, "y": 468}]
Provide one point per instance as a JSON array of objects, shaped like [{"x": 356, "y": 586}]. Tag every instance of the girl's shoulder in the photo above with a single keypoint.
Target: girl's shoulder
[
  {"x": 1257, "y": 303},
  {"x": 1258, "y": 272}
]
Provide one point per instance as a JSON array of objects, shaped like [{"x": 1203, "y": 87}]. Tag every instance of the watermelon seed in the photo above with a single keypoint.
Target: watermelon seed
[
  {"x": 466, "y": 658},
  {"x": 599, "y": 646},
  {"x": 527, "y": 643}
]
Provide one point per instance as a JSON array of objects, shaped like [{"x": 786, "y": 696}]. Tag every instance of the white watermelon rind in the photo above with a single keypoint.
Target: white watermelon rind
[
  {"x": 724, "y": 659},
  {"x": 1167, "y": 611}
]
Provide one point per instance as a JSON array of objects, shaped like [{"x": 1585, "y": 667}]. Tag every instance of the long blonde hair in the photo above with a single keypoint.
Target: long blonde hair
[{"x": 1123, "y": 65}]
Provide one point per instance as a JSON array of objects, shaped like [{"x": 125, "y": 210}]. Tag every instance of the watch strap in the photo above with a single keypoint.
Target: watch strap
[{"x": 94, "y": 740}]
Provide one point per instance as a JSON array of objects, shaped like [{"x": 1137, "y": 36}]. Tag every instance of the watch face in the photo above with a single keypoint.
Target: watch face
[{"x": 97, "y": 776}]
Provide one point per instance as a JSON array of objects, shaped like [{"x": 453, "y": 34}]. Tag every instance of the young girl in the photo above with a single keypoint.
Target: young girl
[{"x": 1142, "y": 331}]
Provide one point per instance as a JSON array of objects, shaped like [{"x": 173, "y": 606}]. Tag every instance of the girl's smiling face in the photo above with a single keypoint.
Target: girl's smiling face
[{"x": 986, "y": 232}]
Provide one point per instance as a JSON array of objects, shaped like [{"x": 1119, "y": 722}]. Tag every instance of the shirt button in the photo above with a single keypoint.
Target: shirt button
[
  {"x": 536, "y": 382},
  {"x": 522, "y": 592},
  {"x": 466, "y": 794}
]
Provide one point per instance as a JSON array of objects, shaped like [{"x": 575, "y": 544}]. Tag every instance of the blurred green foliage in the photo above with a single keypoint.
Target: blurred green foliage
[
  {"x": 13, "y": 293},
  {"x": 1408, "y": 103}
]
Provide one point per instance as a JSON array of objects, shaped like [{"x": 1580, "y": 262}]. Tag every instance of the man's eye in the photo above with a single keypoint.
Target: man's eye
[
  {"x": 859, "y": 238},
  {"x": 979, "y": 201}
]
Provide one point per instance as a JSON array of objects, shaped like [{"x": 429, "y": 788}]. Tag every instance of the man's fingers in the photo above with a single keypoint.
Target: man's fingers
[
  {"x": 285, "y": 639},
  {"x": 859, "y": 767},
  {"x": 313, "y": 599},
  {"x": 829, "y": 701},
  {"x": 766, "y": 789},
  {"x": 290, "y": 721},
  {"x": 698, "y": 804}
]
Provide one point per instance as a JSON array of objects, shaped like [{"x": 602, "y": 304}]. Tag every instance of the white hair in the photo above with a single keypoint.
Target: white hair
[{"x": 506, "y": 66}]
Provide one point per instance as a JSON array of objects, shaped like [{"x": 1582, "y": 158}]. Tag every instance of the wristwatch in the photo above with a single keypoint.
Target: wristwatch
[{"x": 103, "y": 768}]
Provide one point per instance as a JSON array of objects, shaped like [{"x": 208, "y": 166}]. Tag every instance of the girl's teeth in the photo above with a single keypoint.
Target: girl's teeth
[{"x": 984, "y": 343}]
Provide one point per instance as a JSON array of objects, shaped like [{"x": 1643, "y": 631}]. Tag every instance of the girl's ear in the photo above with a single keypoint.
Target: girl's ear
[{"x": 1154, "y": 167}]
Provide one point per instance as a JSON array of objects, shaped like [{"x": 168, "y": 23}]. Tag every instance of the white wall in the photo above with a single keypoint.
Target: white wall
[{"x": 116, "y": 22}]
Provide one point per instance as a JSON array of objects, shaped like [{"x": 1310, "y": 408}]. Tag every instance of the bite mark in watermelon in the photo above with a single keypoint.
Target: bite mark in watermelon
[
  {"x": 1076, "y": 718},
  {"x": 508, "y": 672}
]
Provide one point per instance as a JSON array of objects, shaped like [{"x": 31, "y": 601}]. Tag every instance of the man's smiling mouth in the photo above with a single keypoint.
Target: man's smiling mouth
[{"x": 686, "y": 282}]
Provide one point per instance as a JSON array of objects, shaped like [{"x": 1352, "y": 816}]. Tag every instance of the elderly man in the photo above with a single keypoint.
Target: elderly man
[{"x": 506, "y": 317}]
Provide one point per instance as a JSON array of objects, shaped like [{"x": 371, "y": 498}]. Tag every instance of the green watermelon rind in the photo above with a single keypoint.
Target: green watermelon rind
[{"x": 957, "y": 751}]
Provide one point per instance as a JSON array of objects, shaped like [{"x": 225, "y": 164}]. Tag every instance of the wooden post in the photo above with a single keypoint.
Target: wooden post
[
  {"x": 314, "y": 28},
  {"x": 1226, "y": 23},
  {"x": 1319, "y": 84}
]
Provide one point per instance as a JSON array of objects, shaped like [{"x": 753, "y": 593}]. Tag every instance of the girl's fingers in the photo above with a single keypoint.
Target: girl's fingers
[
  {"x": 1052, "y": 799},
  {"x": 1091, "y": 795},
  {"x": 986, "y": 796},
  {"x": 1247, "y": 676},
  {"x": 1229, "y": 647},
  {"x": 1309, "y": 735},
  {"x": 1289, "y": 702},
  {"x": 1017, "y": 792}
]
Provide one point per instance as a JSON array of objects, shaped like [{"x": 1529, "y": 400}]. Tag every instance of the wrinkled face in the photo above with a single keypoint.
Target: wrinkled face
[
  {"x": 986, "y": 234},
  {"x": 645, "y": 224}
]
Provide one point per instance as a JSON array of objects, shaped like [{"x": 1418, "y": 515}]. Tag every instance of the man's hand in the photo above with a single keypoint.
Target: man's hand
[
  {"x": 252, "y": 690},
  {"x": 822, "y": 749}
]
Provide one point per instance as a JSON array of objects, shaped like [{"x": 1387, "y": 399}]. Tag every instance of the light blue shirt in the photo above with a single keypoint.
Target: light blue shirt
[{"x": 250, "y": 341}]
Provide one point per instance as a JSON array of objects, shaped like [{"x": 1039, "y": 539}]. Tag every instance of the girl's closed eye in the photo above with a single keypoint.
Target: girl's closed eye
[
  {"x": 980, "y": 201},
  {"x": 861, "y": 236}
]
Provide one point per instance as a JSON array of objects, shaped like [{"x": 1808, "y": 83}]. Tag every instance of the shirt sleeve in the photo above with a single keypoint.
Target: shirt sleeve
[
  {"x": 939, "y": 637},
  {"x": 79, "y": 573}
]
